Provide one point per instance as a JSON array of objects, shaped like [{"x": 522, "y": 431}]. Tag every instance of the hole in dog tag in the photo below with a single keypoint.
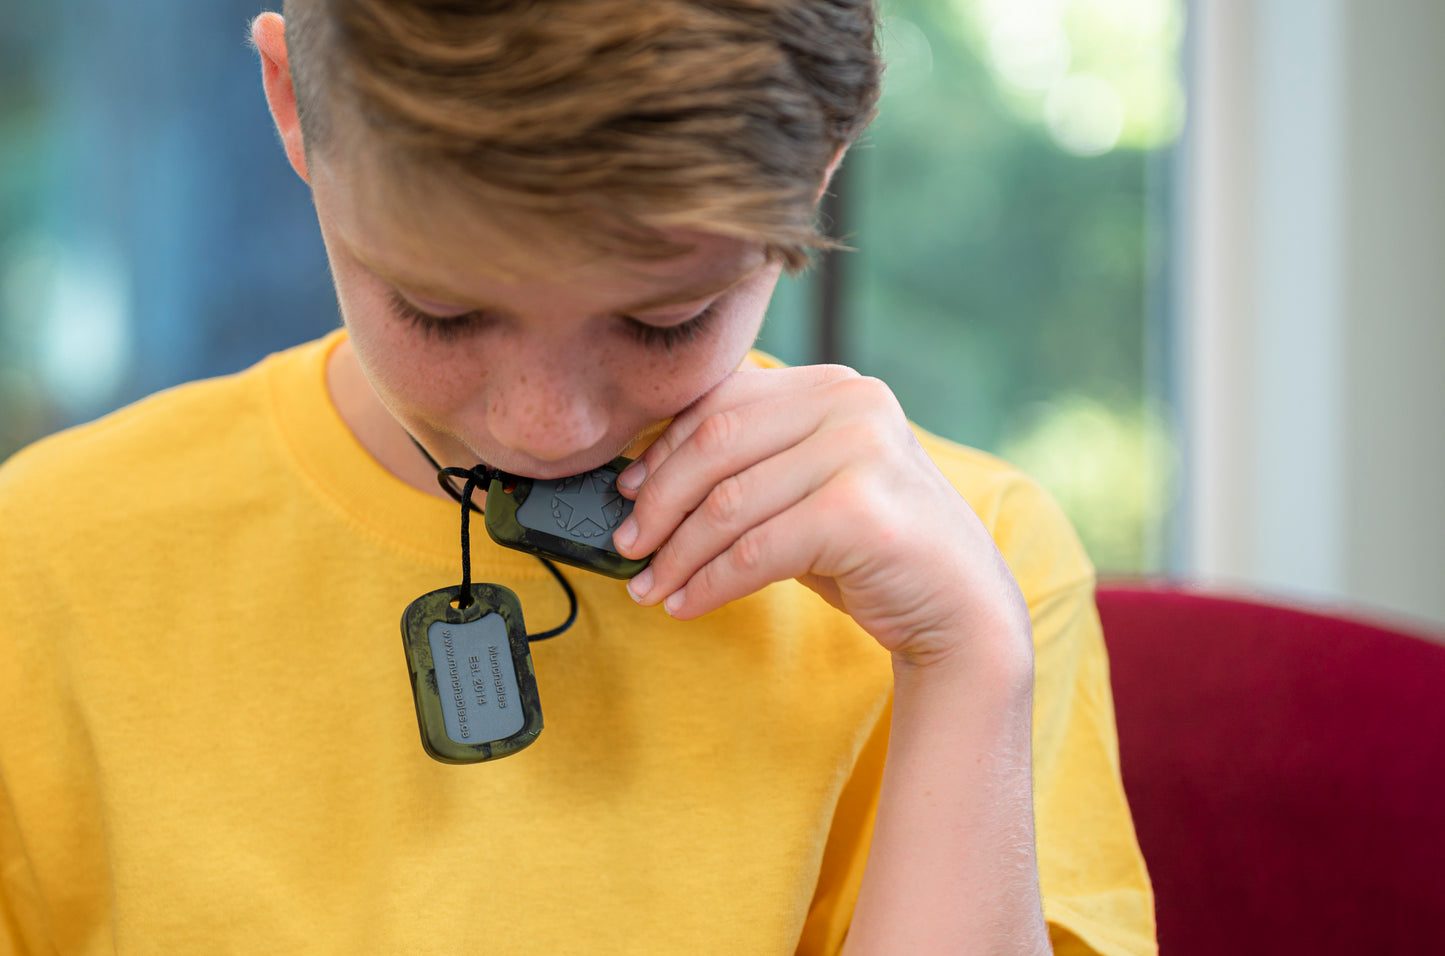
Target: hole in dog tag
[
  {"x": 570, "y": 520},
  {"x": 471, "y": 674}
]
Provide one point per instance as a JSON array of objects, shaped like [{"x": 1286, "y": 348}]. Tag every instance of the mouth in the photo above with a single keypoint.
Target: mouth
[
  {"x": 551, "y": 474},
  {"x": 521, "y": 465}
]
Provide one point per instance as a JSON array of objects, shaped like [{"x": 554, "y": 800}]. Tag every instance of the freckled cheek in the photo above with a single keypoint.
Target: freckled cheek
[
  {"x": 433, "y": 390},
  {"x": 707, "y": 367},
  {"x": 660, "y": 387},
  {"x": 409, "y": 371},
  {"x": 432, "y": 385}
]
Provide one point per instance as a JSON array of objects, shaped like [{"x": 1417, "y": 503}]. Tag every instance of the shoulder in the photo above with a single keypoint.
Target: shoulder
[
  {"x": 151, "y": 426},
  {"x": 154, "y": 455},
  {"x": 152, "y": 433}
]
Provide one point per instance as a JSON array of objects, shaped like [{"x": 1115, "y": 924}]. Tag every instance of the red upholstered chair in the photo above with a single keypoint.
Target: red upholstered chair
[{"x": 1286, "y": 772}]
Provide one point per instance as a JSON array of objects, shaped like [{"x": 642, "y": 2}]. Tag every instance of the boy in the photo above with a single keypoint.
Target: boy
[{"x": 554, "y": 229}]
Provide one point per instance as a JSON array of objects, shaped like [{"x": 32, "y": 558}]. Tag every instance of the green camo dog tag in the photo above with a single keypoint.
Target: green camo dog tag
[
  {"x": 570, "y": 520},
  {"x": 471, "y": 674}
]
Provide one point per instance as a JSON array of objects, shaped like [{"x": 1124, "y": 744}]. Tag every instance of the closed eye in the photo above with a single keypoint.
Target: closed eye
[
  {"x": 445, "y": 327},
  {"x": 449, "y": 327},
  {"x": 670, "y": 337}
]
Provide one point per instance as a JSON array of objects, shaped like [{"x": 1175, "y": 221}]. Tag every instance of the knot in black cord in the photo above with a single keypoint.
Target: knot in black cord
[{"x": 471, "y": 478}]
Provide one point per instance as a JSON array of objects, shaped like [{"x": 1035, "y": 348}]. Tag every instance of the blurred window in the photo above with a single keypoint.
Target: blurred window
[
  {"x": 151, "y": 232},
  {"x": 1009, "y": 208}
]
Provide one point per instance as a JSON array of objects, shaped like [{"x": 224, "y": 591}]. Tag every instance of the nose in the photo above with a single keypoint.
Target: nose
[{"x": 549, "y": 408}]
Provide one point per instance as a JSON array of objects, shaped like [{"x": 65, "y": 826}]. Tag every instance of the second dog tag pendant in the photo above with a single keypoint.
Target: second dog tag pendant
[
  {"x": 566, "y": 519},
  {"x": 471, "y": 674}
]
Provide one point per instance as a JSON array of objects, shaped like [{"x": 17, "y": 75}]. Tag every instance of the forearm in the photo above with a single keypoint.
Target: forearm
[{"x": 952, "y": 866}]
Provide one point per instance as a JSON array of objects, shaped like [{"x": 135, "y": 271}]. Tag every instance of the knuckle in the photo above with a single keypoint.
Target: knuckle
[
  {"x": 724, "y": 503},
  {"x": 852, "y": 492},
  {"x": 716, "y": 433},
  {"x": 868, "y": 439},
  {"x": 872, "y": 391},
  {"x": 748, "y": 553},
  {"x": 839, "y": 373}
]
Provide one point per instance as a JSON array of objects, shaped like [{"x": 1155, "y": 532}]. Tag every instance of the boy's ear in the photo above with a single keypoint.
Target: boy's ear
[
  {"x": 828, "y": 174},
  {"x": 268, "y": 33}
]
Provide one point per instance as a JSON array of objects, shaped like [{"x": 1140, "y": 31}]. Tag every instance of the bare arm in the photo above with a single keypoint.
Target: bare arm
[{"x": 952, "y": 866}]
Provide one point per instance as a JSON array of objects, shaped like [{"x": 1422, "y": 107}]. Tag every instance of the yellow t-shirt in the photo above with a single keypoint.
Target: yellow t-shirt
[{"x": 208, "y": 743}]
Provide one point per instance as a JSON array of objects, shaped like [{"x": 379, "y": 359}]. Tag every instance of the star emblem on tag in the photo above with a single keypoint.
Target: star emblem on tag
[{"x": 588, "y": 505}]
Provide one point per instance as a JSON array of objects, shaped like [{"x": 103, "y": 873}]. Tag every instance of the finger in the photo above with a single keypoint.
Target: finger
[
  {"x": 861, "y": 413},
  {"x": 783, "y": 547},
  {"x": 723, "y": 445},
  {"x": 735, "y": 505},
  {"x": 738, "y": 389}
]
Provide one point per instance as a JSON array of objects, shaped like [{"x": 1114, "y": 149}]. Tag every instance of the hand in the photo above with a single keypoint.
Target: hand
[{"x": 813, "y": 473}]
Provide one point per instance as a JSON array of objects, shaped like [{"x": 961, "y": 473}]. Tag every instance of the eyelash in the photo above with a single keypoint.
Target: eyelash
[
  {"x": 670, "y": 337},
  {"x": 449, "y": 328},
  {"x": 445, "y": 328}
]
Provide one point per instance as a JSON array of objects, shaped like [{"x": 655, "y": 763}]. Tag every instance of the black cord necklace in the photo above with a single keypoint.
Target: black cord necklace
[
  {"x": 480, "y": 474},
  {"x": 467, "y": 648}
]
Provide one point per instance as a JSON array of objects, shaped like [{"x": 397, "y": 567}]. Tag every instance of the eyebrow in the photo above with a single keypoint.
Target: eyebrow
[{"x": 442, "y": 296}]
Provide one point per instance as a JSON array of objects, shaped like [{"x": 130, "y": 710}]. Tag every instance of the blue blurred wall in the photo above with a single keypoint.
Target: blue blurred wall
[{"x": 162, "y": 155}]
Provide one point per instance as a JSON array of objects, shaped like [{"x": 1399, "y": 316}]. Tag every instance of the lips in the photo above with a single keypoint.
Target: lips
[{"x": 524, "y": 466}]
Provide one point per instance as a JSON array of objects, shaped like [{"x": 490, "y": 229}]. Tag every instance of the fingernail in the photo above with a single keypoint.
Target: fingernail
[
  {"x": 674, "y": 601},
  {"x": 633, "y": 475},
  {"x": 640, "y": 584},
  {"x": 626, "y": 534}
]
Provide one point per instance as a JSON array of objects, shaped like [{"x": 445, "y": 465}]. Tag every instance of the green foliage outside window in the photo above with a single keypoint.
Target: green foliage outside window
[{"x": 1005, "y": 209}]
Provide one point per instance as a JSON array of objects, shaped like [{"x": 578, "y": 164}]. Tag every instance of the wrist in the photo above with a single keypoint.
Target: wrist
[{"x": 1000, "y": 658}]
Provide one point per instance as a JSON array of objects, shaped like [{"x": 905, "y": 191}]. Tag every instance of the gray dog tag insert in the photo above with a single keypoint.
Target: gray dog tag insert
[
  {"x": 471, "y": 674},
  {"x": 566, "y": 519}
]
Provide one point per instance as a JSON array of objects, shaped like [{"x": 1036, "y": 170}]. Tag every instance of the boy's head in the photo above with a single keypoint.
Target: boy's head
[
  {"x": 553, "y": 225},
  {"x": 612, "y": 118}
]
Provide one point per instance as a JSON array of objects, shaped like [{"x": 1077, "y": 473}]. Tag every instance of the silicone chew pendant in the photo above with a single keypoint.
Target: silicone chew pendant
[
  {"x": 570, "y": 520},
  {"x": 471, "y": 674}
]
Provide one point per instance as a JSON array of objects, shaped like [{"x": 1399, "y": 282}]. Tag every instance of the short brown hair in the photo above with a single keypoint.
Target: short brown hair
[{"x": 715, "y": 115}]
